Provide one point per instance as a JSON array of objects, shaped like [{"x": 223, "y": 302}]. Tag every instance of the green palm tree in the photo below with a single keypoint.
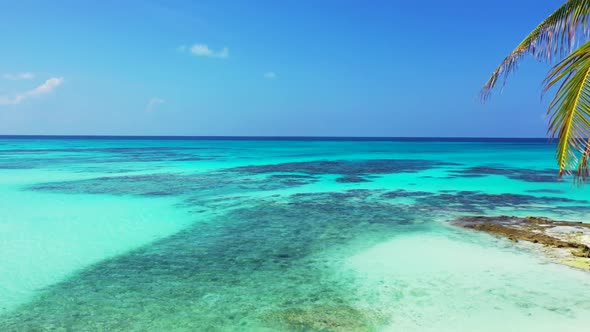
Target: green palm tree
[{"x": 569, "y": 109}]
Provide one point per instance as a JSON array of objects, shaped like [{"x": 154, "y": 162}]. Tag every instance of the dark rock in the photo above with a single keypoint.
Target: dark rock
[{"x": 531, "y": 229}]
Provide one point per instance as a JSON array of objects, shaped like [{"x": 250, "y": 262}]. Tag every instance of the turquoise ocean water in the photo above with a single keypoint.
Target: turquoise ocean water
[{"x": 280, "y": 235}]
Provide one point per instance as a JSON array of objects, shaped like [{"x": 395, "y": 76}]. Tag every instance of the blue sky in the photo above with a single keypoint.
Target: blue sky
[{"x": 296, "y": 68}]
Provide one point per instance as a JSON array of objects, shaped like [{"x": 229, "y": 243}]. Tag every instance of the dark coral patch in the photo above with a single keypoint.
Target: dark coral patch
[
  {"x": 167, "y": 184},
  {"x": 346, "y": 167},
  {"x": 337, "y": 318},
  {"x": 42, "y": 158},
  {"x": 546, "y": 191},
  {"x": 522, "y": 174},
  {"x": 479, "y": 202},
  {"x": 351, "y": 179}
]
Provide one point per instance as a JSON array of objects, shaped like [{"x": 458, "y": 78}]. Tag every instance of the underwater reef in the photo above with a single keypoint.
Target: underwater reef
[{"x": 336, "y": 318}]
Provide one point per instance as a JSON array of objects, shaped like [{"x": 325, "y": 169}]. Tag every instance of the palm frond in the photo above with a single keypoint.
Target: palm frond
[
  {"x": 582, "y": 172},
  {"x": 556, "y": 35},
  {"x": 570, "y": 111}
]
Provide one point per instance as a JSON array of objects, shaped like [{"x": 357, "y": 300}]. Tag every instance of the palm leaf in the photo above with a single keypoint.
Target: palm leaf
[
  {"x": 582, "y": 173},
  {"x": 556, "y": 35},
  {"x": 570, "y": 111}
]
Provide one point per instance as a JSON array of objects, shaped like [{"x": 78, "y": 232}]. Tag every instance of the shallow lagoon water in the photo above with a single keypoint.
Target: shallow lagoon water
[{"x": 238, "y": 235}]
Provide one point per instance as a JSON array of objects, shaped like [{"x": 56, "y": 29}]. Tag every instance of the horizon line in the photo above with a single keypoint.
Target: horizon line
[{"x": 285, "y": 138}]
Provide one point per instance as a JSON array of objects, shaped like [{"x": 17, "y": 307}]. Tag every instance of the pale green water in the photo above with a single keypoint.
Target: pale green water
[{"x": 163, "y": 235}]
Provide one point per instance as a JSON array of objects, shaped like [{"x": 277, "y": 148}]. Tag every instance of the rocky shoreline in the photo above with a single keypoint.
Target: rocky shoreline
[{"x": 562, "y": 241}]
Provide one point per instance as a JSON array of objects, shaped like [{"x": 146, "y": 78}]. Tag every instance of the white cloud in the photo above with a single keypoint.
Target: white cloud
[
  {"x": 201, "y": 49},
  {"x": 19, "y": 76},
  {"x": 45, "y": 88},
  {"x": 271, "y": 75},
  {"x": 204, "y": 50},
  {"x": 155, "y": 101}
]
